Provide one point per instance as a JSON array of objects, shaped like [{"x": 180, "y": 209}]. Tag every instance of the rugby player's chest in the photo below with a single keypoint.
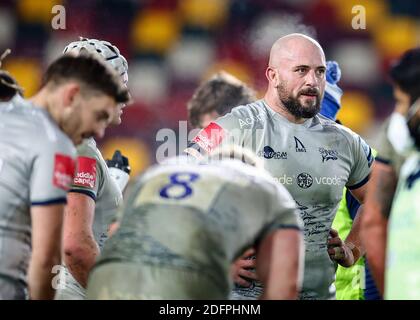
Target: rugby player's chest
[{"x": 306, "y": 163}]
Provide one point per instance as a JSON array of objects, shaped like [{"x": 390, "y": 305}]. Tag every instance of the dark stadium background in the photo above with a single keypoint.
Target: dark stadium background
[{"x": 172, "y": 45}]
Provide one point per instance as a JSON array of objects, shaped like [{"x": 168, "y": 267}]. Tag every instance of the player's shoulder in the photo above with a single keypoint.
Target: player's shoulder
[
  {"x": 20, "y": 111},
  {"x": 258, "y": 180},
  {"x": 38, "y": 123},
  {"x": 169, "y": 166},
  {"x": 257, "y": 106},
  {"x": 226, "y": 171},
  {"x": 89, "y": 149},
  {"x": 235, "y": 171},
  {"x": 222, "y": 170},
  {"x": 55, "y": 138},
  {"x": 65, "y": 144},
  {"x": 333, "y": 127}
]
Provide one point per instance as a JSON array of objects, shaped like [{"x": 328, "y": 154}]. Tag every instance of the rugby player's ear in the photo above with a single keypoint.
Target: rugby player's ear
[
  {"x": 70, "y": 93},
  {"x": 272, "y": 76}
]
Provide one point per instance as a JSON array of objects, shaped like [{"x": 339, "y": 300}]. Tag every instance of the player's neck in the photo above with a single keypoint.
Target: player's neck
[{"x": 275, "y": 104}]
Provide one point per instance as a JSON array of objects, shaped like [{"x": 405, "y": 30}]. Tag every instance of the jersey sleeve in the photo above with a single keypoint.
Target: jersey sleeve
[
  {"x": 132, "y": 192},
  {"x": 88, "y": 172},
  {"x": 362, "y": 159},
  {"x": 385, "y": 151},
  {"x": 52, "y": 173},
  {"x": 224, "y": 130}
]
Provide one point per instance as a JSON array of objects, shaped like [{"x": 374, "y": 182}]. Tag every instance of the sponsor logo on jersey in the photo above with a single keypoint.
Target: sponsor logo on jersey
[
  {"x": 330, "y": 181},
  {"x": 299, "y": 145},
  {"x": 63, "y": 171},
  {"x": 304, "y": 180},
  {"x": 86, "y": 172},
  {"x": 249, "y": 121},
  {"x": 210, "y": 137},
  {"x": 269, "y": 153},
  {"x": 285, "y": 180},
  {"x": 328, "y": 154}
]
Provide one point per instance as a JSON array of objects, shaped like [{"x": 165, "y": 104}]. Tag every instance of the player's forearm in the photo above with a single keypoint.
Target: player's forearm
[
  {"x": 380, "y": 192},
  {"x": 80, "y": 258},
  {"x": 375, "y": 253},
  {"x": 354, "y": 239},
  {"x": 40, "y": 278},
  {"x": 374, "y": 233},
  {"x": 80, "y": 247},
  {"x": 374, "y": 223}
]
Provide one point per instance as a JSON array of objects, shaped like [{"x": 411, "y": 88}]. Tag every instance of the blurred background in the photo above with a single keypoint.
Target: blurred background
[{"x": 173, "y": 45}]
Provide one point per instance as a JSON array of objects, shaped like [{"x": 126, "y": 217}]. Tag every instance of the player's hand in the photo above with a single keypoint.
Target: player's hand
[
  {"x": 339, "y": 251},
  {"x": 240, "y": 269}
]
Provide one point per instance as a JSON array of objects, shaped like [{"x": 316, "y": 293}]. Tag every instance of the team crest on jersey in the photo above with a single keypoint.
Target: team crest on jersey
[
  {"x": 86, "y": 172},
  {"x": 210, "y": 137},
  {"x": 299, "y": 145},
  {"x": 269, "y": 153},
  {"x": 328, "y": 154},
  {"x": 63, "y": 171},
  {"x": 304, "y": 180}
]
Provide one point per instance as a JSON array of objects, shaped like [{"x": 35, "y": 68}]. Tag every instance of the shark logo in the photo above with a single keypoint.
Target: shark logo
[
  {"x": 328, "y": 154},
  {"x": 299, "y": 145}
]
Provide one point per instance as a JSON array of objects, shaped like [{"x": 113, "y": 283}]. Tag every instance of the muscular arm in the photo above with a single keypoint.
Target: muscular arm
[
  {"x": 374, "y": 222},
  {"x": 46, "y": 249},
  {"x": 352, "y": 248},
  {"x": 280, "y": 264},
  {"x": 80, "y": 247},
  {"x": 348, "y": 252}
]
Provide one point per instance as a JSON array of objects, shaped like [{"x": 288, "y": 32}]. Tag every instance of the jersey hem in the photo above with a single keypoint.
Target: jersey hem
[
  {"x": 361, "y": 183},
  {"x": 85, "y": 192},
  {"x": 49, "y": 202}
]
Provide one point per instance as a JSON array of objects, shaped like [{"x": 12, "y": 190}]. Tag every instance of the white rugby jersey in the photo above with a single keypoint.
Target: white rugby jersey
[
  {"x": 314, "y": 161},
  {"x": 199, "y": 217},
  {"x": 92, "y": 178},
  {"x": 36, "y": 168}
]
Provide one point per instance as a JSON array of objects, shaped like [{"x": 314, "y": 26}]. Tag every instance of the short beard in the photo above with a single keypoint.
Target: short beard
[{"x": 293, "y": 105}]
